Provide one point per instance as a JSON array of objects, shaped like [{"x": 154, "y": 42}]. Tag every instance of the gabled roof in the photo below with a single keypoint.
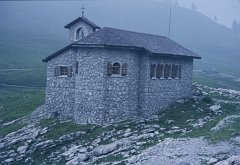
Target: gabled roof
[
  {"x": 110, "y": 37},
  {"x": 153, "y": 43},
  {"x": 84, "y": 20}
]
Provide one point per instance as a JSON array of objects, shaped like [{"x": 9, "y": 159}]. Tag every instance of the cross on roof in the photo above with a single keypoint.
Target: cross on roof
[{"x": 83, "y": 8}]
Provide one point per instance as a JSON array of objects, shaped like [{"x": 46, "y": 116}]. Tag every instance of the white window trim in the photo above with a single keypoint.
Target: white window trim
[
  {"x": 62, "y": 76},
  {"x": 116, "y": 76},
  {"x": 120, "y": 71}
]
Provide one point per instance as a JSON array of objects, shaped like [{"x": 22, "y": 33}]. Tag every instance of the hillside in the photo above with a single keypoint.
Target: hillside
[
  {"x": 28, "y": 34},
  {"x": 201, "y": 130}
]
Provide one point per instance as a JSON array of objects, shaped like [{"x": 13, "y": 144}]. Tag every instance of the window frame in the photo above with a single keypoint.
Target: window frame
[
  {"x": 174, "y": 71},
  {"x": 79, "y": 34},
  {"x": 119, "y": 69},
  {"x": 168, "y": 71},
  {"x": 160, "y": 70},
  {"x": 63, "y": 71},
  {"x": 153, "y": 71}
]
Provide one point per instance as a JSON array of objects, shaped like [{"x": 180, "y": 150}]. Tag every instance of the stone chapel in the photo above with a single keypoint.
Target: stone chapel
[{"x": 107, "y": 75}]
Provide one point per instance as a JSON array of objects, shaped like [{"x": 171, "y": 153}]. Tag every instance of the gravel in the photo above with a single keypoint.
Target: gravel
[{"x": 176, "y": 151}]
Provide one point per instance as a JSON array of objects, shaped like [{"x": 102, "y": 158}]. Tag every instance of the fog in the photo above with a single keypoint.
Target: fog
[
  {"x": 42, "y": 22},
  {"x": 225, "y": 10}
]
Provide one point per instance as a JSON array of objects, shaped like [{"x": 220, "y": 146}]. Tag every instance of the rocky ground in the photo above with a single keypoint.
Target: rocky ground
[
  {"x": 189, "y": 151},
  {"x": 204, "y": 129}
]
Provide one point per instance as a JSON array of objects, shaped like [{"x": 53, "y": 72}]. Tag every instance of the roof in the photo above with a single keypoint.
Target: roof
[
  {"x": 84, "y": 20},
  {"x": 110, "y": 37}
]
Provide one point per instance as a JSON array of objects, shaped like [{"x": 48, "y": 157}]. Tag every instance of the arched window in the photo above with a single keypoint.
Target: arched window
[
  {"x": 116, "y": 67},
  {"x": 153, "y": 70},
  {"x": 159, "y": 73},
  {"x": 79, "y": 34},
  {"x": 167, "y": 71},
  {"x": 174, "y": 73}
]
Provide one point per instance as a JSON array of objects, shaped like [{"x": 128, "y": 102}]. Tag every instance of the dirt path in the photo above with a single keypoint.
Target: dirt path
[
  {"x": 18, "y": 86},
  {"x": 2, "y": 70}
]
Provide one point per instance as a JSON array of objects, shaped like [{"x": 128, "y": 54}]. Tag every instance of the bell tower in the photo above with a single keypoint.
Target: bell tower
[{"x": 80, "y": 28}]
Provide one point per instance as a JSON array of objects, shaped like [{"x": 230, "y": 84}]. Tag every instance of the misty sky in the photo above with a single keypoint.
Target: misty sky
[{"x": 225, "y": 10}]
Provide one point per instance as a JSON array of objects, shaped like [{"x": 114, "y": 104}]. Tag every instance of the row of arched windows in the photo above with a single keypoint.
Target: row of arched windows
[{"x": 165, "y": 71}]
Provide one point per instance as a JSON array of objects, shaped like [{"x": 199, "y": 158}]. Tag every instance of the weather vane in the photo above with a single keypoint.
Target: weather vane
[{"x": 83, "y": 8}]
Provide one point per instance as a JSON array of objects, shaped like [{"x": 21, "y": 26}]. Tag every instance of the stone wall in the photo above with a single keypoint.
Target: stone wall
[
  {"x": 156, "y": 94},
  {"x": 60, "y": 90},
  {"x": 121, "y": 97},
  {"x": 92, "y": 96},
  {"x": 102, "y": 98},
  {"x": 89, "y": 94}
]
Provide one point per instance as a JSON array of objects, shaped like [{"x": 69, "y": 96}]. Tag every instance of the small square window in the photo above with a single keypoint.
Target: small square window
[{"x": 63, "y": 70}]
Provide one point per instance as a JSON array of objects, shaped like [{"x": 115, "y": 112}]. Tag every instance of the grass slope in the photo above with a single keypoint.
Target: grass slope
[
  {"x": 181, "y": 120},
  {"x": 28, "y": 77},
  {"x": 16, "y": 103}
]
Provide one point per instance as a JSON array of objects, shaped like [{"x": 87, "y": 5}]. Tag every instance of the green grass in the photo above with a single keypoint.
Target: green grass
[
  {"x": 224, "y": 133},
  {"x": 58, "y": 129},
  {"x": 207, "y": 100},
  {"x": 216, "y": 81},
  {"x": 149, "y": 143},
  {"x": 39, "y": 157},
  {"x": 11, "y": 128},
  {"x": 18, "y": 102},
  {"x": 204, "y": 79},
  {"x": 32, "y": 78},
  {"x": 109, "y": 159},
  {"x": 232, "y": 130},
  {"x": 179, "y": 113}
]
